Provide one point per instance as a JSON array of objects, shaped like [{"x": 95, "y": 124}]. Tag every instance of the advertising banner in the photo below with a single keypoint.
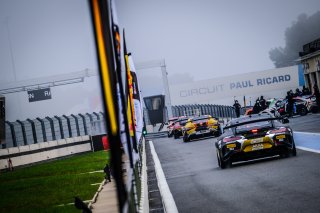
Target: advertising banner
[
  {"x": 39, "y": 94},
  {"x": 248, "y": 84}
]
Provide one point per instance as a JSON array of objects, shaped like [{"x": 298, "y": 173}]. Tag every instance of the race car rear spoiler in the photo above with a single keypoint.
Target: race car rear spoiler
[{"x": 284, "y": 120}]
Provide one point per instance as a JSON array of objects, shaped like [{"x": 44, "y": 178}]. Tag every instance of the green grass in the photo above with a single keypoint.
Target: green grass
[{"x": 41, "y": 188}]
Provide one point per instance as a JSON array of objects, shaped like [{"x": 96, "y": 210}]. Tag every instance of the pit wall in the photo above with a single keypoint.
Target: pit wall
[{"x": 33, "y": 153}]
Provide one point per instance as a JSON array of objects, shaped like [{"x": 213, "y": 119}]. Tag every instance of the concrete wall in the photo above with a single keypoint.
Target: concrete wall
[{"x": 33, "y": 153}]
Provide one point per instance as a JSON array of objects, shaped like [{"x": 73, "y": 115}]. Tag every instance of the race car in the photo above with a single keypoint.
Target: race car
[
  {"x": 177, "y": 127},
  {"x": 299, "y": 108},
  {"x": 252, "y": 137},
  {"x": 201, "y": 126},
  {"x": 309, "y": 102},
  {"x": 171, "y": 125}
]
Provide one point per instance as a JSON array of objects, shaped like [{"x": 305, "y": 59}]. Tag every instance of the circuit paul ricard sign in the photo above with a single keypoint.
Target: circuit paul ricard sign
[
  {"x": 39, "y": 94},
  {"x": 237, "y": 85}
]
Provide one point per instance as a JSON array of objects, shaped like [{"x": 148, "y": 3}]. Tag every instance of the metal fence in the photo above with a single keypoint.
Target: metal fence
[
  {"x": 220, "y": 111},
  {"x": 39, "y": 130}
]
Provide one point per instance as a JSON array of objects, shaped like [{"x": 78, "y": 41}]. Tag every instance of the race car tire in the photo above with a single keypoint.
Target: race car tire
[
  {"x": 175, "y": 135},
  {"x": 186, "y": 138},
  {"x": 303, "y": 111},
  {"x": 223, "y": 164},
  {"x": 217, "y": 133}
]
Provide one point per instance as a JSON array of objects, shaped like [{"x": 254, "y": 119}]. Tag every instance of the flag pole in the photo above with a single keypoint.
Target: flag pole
[
  {"x": 135, "y": 144},
  {"x": 116, "y": 40},
  {"x": 101, "y": 24}
]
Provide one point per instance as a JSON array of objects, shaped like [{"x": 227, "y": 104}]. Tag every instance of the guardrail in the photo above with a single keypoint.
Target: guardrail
[
  {"x": 22, "y": 133},
  {"x": 220, "y": 111}
]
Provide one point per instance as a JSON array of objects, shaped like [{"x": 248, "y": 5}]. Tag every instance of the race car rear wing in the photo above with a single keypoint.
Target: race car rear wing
[{"x": 284, "y": 120}]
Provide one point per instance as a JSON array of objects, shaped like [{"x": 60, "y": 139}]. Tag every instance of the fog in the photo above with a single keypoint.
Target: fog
[
  {"x": 198, "y": 40},
  {"x": 302, "y": 31},
  {"x": 206, "y": 39}
]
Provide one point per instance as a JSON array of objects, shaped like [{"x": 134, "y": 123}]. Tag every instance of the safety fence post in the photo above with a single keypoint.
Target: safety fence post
[
  {"x": 23, "y": 132},
  {"x": 13, "y": 133},
  {"x": 206, "y": 107},
  {"x": 53, "y": 133},
  {"x": 34, "y": 133},
  {"x": 43, "y": 129},
  {"x": 90, "y": 117},
  {"x": 60, "y": 126},
  {"x": 178, "y": 111},
  {"x": 224, "y": 111},
  {"x": 211, "y": 110},
  {"x": 215, "y": 110},
  {"x": 77, "y": 124},
  {"x": 173, "y": 111},
  {"x": 69, "y": 125},
  {"x": 84, "y": 124},
  {"x": 96, "y": 114},
  {"x": 228, "y": 111}
]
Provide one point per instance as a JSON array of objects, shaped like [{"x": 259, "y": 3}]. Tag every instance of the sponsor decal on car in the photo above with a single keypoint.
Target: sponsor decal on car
[
  {"x": 231, "y": 145},
  {"x": 257, "y": 146},
  {"x": 280, "y": 136}
]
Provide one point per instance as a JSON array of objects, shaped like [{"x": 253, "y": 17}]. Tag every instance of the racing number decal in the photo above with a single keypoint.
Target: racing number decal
[{"x": 257, "y": 146}]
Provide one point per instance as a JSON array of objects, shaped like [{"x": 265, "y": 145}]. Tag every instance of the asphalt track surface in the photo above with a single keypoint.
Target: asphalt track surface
[{"x": 270, "y": 185}]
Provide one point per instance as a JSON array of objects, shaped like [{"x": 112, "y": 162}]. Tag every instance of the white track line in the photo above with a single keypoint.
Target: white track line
[
  {"x": 307, "y": 133},
  {"x": 305, "y": 148},
  {"x": 94, "y": 184},
  {"x": 144, "y": 198},
  {"x": 169, "y": 204},
  {"x": 308, "y": 149},
  {"x": 98, "y": 171}
]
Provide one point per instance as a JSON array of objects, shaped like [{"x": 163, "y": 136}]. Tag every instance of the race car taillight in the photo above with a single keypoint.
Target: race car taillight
[
  {"x": 254, "y": 131},
  {"x": 226, "y": 140}
]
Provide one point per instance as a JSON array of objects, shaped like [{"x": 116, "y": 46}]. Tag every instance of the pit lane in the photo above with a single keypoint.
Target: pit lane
[{"x": 269, "y": 185}]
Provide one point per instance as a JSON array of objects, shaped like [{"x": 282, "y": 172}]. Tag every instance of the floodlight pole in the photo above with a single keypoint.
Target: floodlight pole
[
  {"x": 162, "y": 65},
  {"x": 166, "y": 88}
]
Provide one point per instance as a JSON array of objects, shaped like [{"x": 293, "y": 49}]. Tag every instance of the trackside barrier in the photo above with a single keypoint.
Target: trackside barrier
[
  {"x": 22, "y": 133},
  {"x": 33, "y": 153},
  {"x": 220, "y": 111}
]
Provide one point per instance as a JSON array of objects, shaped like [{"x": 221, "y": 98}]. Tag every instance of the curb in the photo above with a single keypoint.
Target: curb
[
  {"x": 168, "y": 201},
  {"x": 144, "y": 199},
  {"x": 94, "y": 199}
]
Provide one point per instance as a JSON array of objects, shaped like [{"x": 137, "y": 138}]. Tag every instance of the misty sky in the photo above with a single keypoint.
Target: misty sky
[
  {"x": 199, "y": 39},
  {"x": 209, "y": 38}
]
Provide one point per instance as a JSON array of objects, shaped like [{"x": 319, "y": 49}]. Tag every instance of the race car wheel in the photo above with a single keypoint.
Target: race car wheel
[
  {"x": 186, "y": 138},
  {"x": 175, "y": 135},
  {"x": 217, "y": 133},
  {"x": 223, "y": 164},
  {"x": 303, "y": 111},
  {"x": 170, "y": 134}
]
